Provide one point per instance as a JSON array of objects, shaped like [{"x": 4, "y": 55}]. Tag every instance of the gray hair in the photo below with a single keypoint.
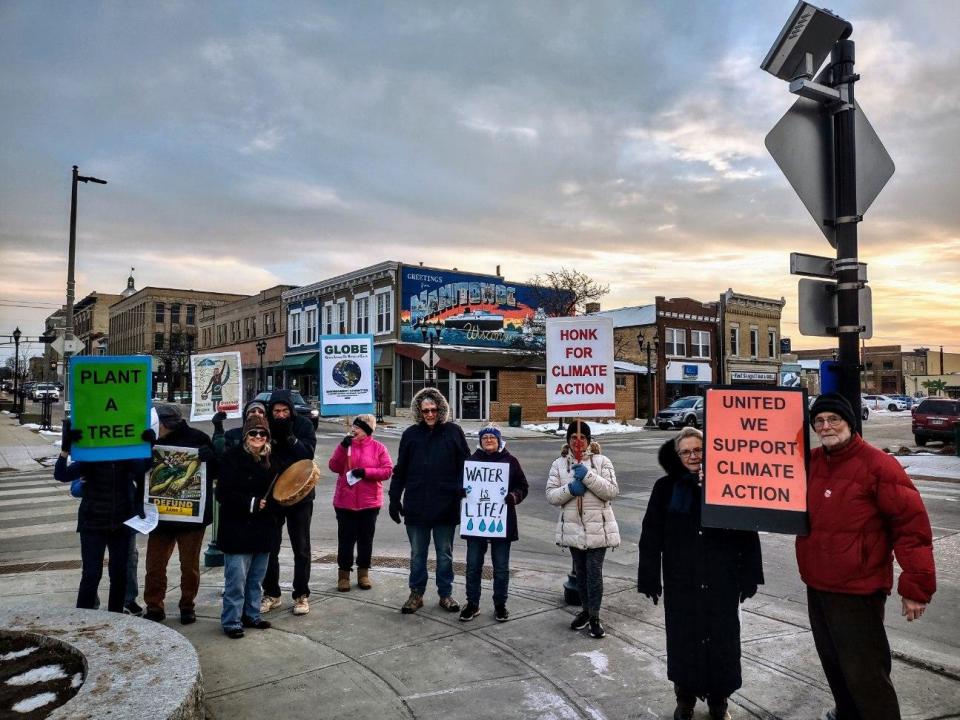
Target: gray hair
[{"x": 684, "y": 434}]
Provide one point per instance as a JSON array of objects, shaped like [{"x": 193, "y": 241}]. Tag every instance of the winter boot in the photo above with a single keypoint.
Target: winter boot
[
  {"x": 685, "y": 703},
  {"x": 363, "y": 579},
  {"x": 718, "y": 709},
  {"x": 343, "y": 580}
]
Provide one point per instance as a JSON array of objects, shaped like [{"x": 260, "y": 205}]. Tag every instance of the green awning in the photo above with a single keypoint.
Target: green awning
[{"x": 304, "y": 361}]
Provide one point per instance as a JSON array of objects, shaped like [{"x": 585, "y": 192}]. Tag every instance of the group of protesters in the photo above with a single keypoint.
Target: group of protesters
[{"x": 863, "y": 511}]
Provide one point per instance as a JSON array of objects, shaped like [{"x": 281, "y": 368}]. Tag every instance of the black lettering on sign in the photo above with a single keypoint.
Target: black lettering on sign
[
  {"x": 111, "y": 405},
  {"x": 110, "y": 377}
]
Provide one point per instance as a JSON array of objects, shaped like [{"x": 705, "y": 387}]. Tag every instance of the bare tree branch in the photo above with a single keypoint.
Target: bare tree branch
[{"x": 566, "y": 291}]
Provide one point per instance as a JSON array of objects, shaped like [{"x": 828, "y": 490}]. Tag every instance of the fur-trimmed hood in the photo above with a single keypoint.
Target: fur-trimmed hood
[
  {"x": 670, "y": 460},
  {"x": 443, "y": 407}
]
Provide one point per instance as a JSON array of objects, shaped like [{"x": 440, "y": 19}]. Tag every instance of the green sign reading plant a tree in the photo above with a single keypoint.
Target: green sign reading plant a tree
[{"x": 110, "y": 400}]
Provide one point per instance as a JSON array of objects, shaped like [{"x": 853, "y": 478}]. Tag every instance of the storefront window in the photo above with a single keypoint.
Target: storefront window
[{"x": 412, "y": 381}]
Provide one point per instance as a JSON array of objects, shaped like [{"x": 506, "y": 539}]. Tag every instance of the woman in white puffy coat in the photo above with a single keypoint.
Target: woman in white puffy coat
[{"x": 584, "y": 489}]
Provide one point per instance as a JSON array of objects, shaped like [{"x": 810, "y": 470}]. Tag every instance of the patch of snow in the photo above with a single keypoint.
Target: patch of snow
[
  {"x": 549, "y": 706},
  {"x": 31, "y": 426},
  {"x": 36, "y": 675},
  {"x": 32, "y": 703},
  {"x": 598, "y": 660},
  {"x": 77, "y": 680},
  {"x": 945, "y": 466},
  {"x": 14, "y": 654}
]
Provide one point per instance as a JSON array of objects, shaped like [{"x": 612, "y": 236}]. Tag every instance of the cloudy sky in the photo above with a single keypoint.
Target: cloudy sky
[{"x": 250, "y": 143}]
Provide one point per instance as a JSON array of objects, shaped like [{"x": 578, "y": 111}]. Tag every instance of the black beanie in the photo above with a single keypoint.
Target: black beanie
[
  {"x": 580, "y": 427},
  {"x": 835, "y": 403}
]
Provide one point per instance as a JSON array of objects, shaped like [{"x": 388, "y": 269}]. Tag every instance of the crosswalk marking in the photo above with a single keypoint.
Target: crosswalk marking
[
  {"x": 36, "y": 500},
  {"x": 34, "y": 530}
]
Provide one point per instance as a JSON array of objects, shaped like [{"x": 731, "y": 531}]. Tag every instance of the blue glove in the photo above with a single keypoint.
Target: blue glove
[
  {"x": 580, "y": 471},
  {"x": 577, "y": 488},
  {"x": 76, "y": 488}
]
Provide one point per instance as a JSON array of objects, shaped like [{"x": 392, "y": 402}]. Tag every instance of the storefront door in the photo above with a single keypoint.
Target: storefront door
[{"x": 472, "y": 396}]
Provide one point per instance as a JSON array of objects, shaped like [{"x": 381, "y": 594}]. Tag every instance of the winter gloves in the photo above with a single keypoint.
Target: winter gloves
[
  {"x": 577, "y": 487},
  {"x": 359, "y": 473},
  {"x": 510, "y": 499},
  {"x": 747, "y": 591},
  {"x": 149, "y": 436},
  {"x": 68, "y": 436},
  {"x": 395, "y": 511},
  {"x": 579, "y": 471},
  {"x": 346, "y": 442},
  {"x": 217, "y": 421}
]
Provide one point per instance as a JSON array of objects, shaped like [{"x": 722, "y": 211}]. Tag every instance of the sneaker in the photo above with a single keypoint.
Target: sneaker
[
  {"x": 469, "y": 612},
  {"x": 258, "y": 624},
  {"x": 449, "y": 604},
  {"x": 596, "y": 628},
  {"x": 234, "y": 633},
  {"x": 155, "y": 615},
  {"x": 187, "y": 617},
  {"x": 269, "y": 603},
  {"x": 501, "y": 613},
  {"x": 131, "y": 608},
  {"x": 580, "y": 621},
  {"x": 413, "y": 603},
  {"x": 301, "y": 605}
]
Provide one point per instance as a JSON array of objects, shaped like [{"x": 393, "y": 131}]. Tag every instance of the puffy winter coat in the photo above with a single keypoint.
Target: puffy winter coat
[
  {"x": 704, "y": 572},
  {"x": 863, "y": 510},
  {"x": 185, "y": 436},
  {"x": 245, "y": 528},
  {"x": 516, "y": 486},
  {"x": 586, "y": 522},
  {"x": 429, "y": 470},
  {"x": 374, "y": 458}
]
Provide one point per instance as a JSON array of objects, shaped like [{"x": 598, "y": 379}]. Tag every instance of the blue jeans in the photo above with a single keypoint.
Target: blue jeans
[
  {"x": 443, "y": 547},
  {"x": 242, "y": 575},
  {"x": 499, "y": 556}
]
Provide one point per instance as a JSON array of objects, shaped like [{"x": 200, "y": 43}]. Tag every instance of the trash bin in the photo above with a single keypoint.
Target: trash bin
[{"x": 515, "y": 414}]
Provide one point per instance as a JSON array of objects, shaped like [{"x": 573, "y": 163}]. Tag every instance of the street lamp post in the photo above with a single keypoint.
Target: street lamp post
[
  {"x": 71, "y": 260},
  {"x": 17, "y": 405},
  {"x": 261, "y": 349},
  {"x": 650, "y": 346}
]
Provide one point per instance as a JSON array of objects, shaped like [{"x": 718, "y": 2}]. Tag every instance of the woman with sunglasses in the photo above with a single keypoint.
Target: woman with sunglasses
[
  {"x": 707, "y": 573},
  {"x": 248, "y": 530}
]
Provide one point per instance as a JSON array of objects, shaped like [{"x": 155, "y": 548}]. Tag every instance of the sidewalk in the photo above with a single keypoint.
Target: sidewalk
[{"x": 22, "y": 448}]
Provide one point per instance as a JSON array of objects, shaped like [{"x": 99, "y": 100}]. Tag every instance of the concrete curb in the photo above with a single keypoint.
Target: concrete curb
[{"x": 135, "y": 669}]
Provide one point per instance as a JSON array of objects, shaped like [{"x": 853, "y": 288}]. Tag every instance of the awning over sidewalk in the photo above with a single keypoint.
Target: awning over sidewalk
[
  {"x": 304, "y": 361},
  {"x": 463, "y": 361}
]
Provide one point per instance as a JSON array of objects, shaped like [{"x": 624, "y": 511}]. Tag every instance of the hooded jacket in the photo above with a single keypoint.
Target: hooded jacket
[
  {"x": 586, "y": 522},
  {"x": 299, "y": 443},
  {"x": 704, "y": 572},
  {"x": 516, "y": 486},
  {"x": 112, "y": 491},
  {"x": 428, "y": 475},
  {"x": 244, "y": 528},
  {"x": 863, "y": 510},
  {"x": 374, "y": 458}
]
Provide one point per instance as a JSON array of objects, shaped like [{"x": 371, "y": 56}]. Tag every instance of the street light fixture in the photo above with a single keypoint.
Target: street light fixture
[
  {"x": 804, "y": 43},
  {"x": 650, "y": 345},
  {"x": 261, "y": 349},
  {"x": 16, "y": 368}
]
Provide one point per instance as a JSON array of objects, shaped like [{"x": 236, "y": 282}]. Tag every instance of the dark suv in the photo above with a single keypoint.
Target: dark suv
[{"x": 934, "y": 419}]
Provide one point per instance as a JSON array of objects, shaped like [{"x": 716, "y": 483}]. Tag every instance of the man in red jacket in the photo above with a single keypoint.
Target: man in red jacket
[{"x": 863, "y": 510}]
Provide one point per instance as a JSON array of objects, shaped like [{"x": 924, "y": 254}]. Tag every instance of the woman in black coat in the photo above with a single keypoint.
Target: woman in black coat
[
  {"x": 707, "y": 572},
  {"x": 248, "y": 531}
]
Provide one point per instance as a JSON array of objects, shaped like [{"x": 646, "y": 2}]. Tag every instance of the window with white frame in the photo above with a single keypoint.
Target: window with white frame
[
  {"x": 311, "y": 320},
  {"x": 771, "y": 342},
  {"x": 700, "y": 343},
  {"x": 342, "y": 317},
  {"x": 541, "y": 380},
  {"x": 328, "y": 319},
  {"x": 384, "y": 309},
  {"x": 754, "y": 342},
  {"x": 293, "y": 328},
  {"x": 361, "y": 314},
  {"x": 734, "y": 340},
  {"x": 676, "y": 342}
]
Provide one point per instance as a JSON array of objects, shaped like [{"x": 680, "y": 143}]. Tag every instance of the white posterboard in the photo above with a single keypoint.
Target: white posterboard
[
  {"x": 483, "y": 512},
  {"x": 216, "y": 385},
  {"x": 580, "y": 375},
  {"x": 346, "y": 375}
]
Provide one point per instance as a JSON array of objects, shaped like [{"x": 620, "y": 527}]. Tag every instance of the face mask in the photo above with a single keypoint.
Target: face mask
[{"x": 578, "y": 445}]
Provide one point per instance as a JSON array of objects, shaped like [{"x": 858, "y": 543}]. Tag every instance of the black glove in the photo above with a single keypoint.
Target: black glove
[
  {"x": 68, "y": 436},
  {"x": 360, "y": 473},
  {"x": 217, "y": 421},
  {"x": 747, "y": 591},
  {"x": 149, "y": 436},
  {"x": 463, "y": 492},
  {"x": 510, "y": 499},
  {"x": 345, "y": 443},
  {"x": 651, "y": 592},
  {"x": 141, "y": 513},
  {"x": 395, "y": 511},
  {"x": 206, "y": 454}
]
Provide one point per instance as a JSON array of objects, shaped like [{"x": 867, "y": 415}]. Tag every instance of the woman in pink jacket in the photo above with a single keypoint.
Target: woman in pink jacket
[{"x": 361, "y": 464}]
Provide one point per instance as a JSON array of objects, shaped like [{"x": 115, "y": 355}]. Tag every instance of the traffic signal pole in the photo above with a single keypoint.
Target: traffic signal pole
[{"x": 845, "y": 224}]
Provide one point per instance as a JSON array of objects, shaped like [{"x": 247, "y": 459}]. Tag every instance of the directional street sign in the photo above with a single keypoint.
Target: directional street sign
[
  {"x": 431, "y": 358},
  {"x": 822, "y": 267},
  {"x": 817, "y": 305},
  {"x": 802, "y": 145}
]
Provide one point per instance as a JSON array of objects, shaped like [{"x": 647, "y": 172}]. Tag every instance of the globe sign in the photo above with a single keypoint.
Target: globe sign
[{"x": 346, "y": 373}]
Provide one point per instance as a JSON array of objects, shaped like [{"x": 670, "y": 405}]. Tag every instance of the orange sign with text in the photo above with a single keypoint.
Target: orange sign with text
[{"x": 755, "y": 449}]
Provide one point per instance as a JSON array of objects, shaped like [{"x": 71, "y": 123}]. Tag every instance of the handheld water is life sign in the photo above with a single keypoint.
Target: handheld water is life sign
[{"x": 483, "y": 512}]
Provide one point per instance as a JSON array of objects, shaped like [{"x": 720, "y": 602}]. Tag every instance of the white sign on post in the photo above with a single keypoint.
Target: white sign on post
[
  {"x": 483, "y": 512},
  {"x": 580, "y": 375}
]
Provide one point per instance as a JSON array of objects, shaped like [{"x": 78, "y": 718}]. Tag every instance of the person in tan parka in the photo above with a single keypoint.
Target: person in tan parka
[{"x": 583, "y": 483}]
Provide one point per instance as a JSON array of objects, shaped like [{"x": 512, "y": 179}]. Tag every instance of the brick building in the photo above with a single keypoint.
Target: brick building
[
  {"x": 750, "y": 351},
  {"x": 91, "y": 322}
]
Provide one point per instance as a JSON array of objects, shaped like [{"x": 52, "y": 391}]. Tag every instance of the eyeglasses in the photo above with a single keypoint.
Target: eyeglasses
[
  {"x": 258, "y": 433},
  {"x": 693, "y": 451},
  {"x": 429, "y": 411},
  {"x": 831, "y": 420}
]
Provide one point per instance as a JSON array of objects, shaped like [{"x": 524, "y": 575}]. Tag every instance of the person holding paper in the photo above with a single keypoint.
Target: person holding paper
[
  {"x": 494, "y": 450},
  {"x": 583, "y": 483},
  {"x": 361, "y": 464},
  {"x": 707, "y": 573},
  {"x": 249, "y": 529}
]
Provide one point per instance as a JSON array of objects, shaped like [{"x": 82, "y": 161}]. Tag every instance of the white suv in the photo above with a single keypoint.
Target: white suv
[
  {"x": 42, "y": 390},
  {"x": 884, "y": 402}
]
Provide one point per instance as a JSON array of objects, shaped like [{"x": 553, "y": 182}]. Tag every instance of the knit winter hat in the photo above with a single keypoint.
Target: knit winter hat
[
  {"x": 255, "y": 404},
  {"x": 256, "y": 422},
  {"x": 578, "y": 426},
  {"x": 490, "y": 430},
  {"x": 835, "y": 403}
]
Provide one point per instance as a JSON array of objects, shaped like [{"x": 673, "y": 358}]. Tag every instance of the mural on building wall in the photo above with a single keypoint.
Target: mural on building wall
[{"x": 472, "y": 310}]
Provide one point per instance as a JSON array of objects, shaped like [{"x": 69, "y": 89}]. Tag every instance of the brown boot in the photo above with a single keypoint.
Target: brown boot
[
  {"x": 343, "y": 580},
  {"x": 363, "y": 579}
]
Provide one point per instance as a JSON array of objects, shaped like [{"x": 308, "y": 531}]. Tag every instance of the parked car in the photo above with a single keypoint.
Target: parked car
[
  {"x": 864, "y": 410},
  {"x": 907, "y": 399},
  {"x": 300, "y": 405},
  {"x": 885, "y": 402},
  {"x": 6, "y": 385},
  {"x": 935, "y": 419},
  {"x": 687, "y": 410},
  {"x": 42, "y": 390}
]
